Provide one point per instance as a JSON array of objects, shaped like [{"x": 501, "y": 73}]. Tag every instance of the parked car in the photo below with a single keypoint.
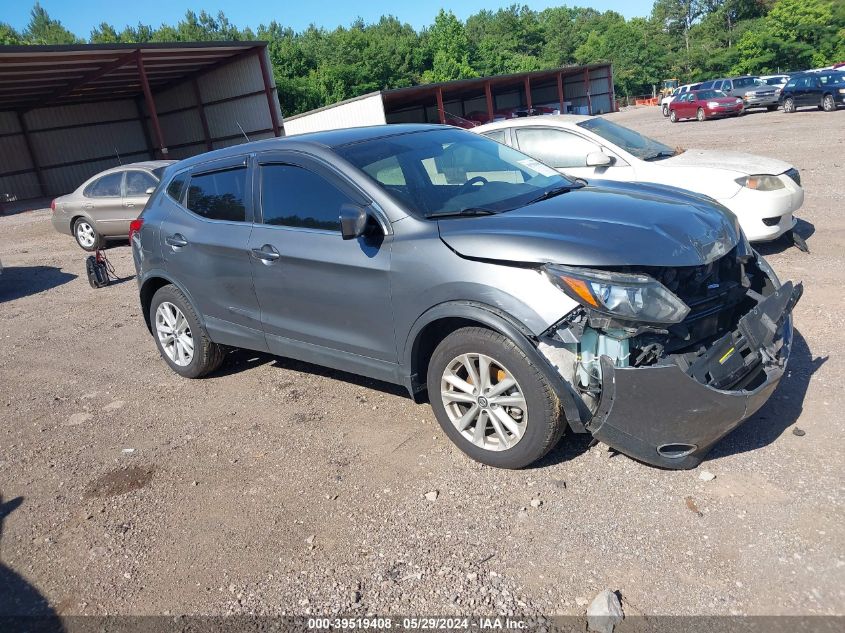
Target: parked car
[
  {"x": 665, "y": 101},
  {"x": 762, "y": 192},
  {"x": 825, "y": 90},
  {"x": 777, "y": 81},
  {"x": 519, "y": 300},
  {"x": 754, "y": 92},
  {"x": 104, "y": 205},
  {"x": 705, "y": 104}
]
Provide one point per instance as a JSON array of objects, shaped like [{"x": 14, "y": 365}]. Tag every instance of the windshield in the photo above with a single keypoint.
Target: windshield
[
  {"x": 632, "y": 142},
  {"x": 445, "y": 172},
  {"x": 710, "y": 94}
]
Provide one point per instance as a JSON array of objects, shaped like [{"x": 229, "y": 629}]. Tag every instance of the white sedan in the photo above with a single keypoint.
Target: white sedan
[{"x": 762, "y": 192}]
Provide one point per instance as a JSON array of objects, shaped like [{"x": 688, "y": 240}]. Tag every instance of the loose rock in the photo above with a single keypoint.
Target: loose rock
[
  {"x": 431, "y": 496},
  {"x": 604, "y": 613},
  {"x": 706, "y": 475}
]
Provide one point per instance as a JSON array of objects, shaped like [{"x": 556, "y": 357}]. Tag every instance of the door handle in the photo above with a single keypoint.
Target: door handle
[
  {"x": 87, "y": 205},
  {"x": 128, "y": 204},
  {"x": 267, "y": 254},
  {"x": 176, "y": 241}
]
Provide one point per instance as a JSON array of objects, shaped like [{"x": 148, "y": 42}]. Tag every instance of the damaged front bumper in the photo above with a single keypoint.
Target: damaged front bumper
[{"x": 669, "y": 417}]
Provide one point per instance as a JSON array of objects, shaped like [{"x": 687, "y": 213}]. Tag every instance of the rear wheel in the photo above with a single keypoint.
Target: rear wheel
[
  {"x": 673, "y": 116},
  {"x": 180, "y": 338},
  {"x": 789, "y": 105},
  {"x": 665, "y": 109},
  {"x": 491, "y": 401},
  {"x": 828, "y": 104},
  {"x": 86, "y": 235},
  {"x": 700, "y": 114}
]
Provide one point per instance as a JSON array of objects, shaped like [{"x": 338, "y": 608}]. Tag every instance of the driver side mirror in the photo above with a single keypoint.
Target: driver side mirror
[
  {"x": 598, "y": 159},
  {"x": 150, "y": 191},
  {"x": 354, "y": 221}
]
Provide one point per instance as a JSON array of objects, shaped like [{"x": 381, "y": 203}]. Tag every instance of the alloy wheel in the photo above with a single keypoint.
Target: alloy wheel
[
  {"x": 700, "y": 114},
  {"x": 484, "y": 402},
  {"x": 789, "y": 105},
  {"x": 174, "y": 334},
  {"x": 828, "y": 104},
  {"x": 85, "y": 234}
]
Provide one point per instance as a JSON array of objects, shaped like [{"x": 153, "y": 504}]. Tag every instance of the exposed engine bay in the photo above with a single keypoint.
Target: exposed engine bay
[{"x": 727, "y": 340}]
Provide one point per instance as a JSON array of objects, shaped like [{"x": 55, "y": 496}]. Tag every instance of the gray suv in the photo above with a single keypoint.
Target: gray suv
[
  {"x": 754, "y": 92},
  {"x": 518, "y": 301}
]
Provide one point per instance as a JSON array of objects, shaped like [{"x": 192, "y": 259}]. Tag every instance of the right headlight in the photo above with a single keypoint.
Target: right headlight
[
  {"x": 630, "y": 297},
  {"x": 761, "y": 182}
]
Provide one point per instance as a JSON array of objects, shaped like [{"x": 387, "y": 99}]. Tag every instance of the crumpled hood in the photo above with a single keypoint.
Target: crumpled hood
[
  {"x": 603, "y": 224},
  {"x": 734, "y": 161}
]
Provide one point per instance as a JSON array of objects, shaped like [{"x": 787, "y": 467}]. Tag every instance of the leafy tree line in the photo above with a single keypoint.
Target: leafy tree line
[{"x": 688, "y": 39}]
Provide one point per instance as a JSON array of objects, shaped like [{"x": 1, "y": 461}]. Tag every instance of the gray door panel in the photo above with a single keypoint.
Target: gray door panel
[
  {"x": 321, "y": 290},
  {"x": 211, "y": 259}
]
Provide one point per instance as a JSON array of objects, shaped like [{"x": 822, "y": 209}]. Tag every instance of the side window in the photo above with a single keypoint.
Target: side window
[
  {"x": 791, "y": 83},
  {"x": 176, "y": 188},
  {"x": 219, "y": 195},
  {"x": 555, "y": 147},
  {"x": 106, "y": 187},
  {"x": 137, "y": 183},
  {"x": 496, "y": 135},
  {"x": 706, "y": 85},
  {"x": 294, "y": 196}
]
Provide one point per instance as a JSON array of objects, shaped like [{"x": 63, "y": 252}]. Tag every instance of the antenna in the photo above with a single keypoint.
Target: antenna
[
  {"x": 120, "y": 162},
  {"x": 242, "y": 131}
]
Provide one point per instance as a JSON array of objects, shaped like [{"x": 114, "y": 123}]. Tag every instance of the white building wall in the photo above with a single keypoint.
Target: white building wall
[{"x": 368, "y": 110}]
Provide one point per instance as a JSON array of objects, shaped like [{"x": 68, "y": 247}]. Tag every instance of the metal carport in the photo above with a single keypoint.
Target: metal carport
[{"x": 67, "y": 112}]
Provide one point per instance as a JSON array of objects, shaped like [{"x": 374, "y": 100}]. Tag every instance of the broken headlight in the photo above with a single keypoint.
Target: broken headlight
[
  {"x": 621, "y": 295},
  {"x": 761, "y": 182}
]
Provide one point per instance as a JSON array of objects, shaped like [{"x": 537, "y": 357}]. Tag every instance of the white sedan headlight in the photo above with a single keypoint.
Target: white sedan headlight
[{"x": 761, "y": 182}]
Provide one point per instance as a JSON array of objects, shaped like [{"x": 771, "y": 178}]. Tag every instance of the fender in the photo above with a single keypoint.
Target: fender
[
  {"x": 158, "y": 273},
  {"x": 504, "y": 324}
]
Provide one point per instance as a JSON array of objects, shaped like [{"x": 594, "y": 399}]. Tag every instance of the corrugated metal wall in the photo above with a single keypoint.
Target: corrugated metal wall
[
  {"x": 367, "y": 110},
  {"x": 71, "y": 143}
]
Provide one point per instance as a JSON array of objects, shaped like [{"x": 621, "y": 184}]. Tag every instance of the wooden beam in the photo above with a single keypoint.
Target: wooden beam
[
  {"x": 528, "y": 91},
  {"x": 488, "y": 92},
  {"x": 268, "y": 90},
  {"x": 440, "y": 110},
  {"x": 33, "y": 158},
  {"x": 201, "y": 111},
  {"x": 161, "y": 149}
]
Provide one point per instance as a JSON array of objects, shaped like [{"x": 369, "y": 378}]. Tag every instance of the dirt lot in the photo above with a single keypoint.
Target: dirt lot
[{"x": 278, "y": 487}]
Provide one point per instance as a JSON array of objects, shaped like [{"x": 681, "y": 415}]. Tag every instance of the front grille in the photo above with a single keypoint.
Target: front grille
[{"x": 795, "y": 175}]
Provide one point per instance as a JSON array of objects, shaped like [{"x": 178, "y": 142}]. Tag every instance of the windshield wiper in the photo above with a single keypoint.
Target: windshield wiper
[
  {"x": 551, "y": 193},
  {"x": 666, "y": 153},
  {"x": 470, "y": 211}
]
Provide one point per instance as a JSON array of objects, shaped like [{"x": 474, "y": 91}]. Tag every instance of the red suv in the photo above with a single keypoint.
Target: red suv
[{"x": 704, "y": 104}]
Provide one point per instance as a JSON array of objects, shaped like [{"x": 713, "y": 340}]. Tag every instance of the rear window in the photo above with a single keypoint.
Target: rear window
[
  {"x": 219, "y": 195},
  {"x": 106, "y": 187}
]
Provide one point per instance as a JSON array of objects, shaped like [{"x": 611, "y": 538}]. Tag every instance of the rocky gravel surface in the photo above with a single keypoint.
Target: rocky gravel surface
[{"x": 276, "y": 487}]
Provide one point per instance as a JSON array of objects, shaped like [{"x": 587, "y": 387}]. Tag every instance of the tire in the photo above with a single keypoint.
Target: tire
[
  {"x": 789, "y": 105},
  {"x": 771, "y": 108},
  {"x": 86, "y": 235},
  {"x": 534, "y": 420},
  {"x": 700, "y": 115},
  {"x": 673, "y": 116},
  {"x": 665, "y": 109},
  {"x": 828, "y": 104},
  {"x": 205, "y": 357}
]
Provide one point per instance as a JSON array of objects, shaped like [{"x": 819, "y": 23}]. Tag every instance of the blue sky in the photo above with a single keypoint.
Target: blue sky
[{"x": 80, "y": 16}]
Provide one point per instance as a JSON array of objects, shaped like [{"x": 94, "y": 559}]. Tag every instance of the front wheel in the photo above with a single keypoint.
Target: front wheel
[
  {"x": 789, "y": 105},
  {"x": 86, "y": 235},
  {"x": 700, "y": 114},
  {"x": 828, "y": 104},
  {"x": 180, "y": 338},
  {"x": 491, "y": 401},
  {"x": 673, "y": 116}
]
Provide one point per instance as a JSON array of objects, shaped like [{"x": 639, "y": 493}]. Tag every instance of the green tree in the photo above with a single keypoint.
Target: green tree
[
  {"x": 449, "y": 47},
  {"x": 42, "y": 29},
  {"x": 8, "y": 35}
]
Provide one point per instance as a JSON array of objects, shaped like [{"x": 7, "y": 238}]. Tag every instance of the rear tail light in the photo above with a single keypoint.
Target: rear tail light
[
  {"x": 53, "y": 206},
  {"x": 135, "y": 227}
]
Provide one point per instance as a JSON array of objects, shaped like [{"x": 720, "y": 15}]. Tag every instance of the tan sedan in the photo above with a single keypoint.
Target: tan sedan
[{"x": 104, "y": 205}]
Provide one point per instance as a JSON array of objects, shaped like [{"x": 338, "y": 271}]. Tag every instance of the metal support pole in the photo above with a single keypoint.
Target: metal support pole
[
  {"x": 144, "y": 129},
  {"x": 560, "y": 93},
  {"x": 151, "y": 107},
  {"x": 268, "y": 90},
  {"x": 587, "y": 89},
  {"x": 35, "y": 166},
  {"x": 203, "y": 119},
  {"x": 528, "y": 92},
  {"x": 440, "y": 110},
  {"x": 488, "y": 92}
]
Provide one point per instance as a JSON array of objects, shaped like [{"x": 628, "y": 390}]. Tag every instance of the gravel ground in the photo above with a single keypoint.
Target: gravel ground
[{"x": 275, "y": 487}]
